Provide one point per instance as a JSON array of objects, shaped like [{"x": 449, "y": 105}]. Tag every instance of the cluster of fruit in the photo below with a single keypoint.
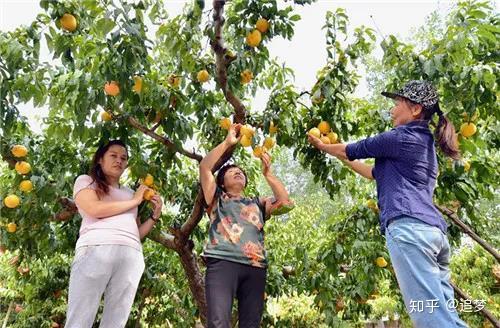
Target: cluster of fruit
[
  {"x": 247, "y": 133},
  {"x": 324, "y": 132},
  {"x": 23, "y": 168}
]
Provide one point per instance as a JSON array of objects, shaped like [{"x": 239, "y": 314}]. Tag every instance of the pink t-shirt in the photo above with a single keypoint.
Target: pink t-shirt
[{"x": 120, "y": 229}]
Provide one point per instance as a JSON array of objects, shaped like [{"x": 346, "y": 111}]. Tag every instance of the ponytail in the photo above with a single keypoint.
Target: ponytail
[{"x": 444, "y": 132}]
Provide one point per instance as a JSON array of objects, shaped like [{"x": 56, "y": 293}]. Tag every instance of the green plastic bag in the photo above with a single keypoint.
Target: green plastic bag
[{"x": 281, "y": 208}]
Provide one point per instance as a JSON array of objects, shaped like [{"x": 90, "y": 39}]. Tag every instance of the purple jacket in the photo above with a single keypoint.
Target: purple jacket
[{"x": 405, "y": 171}]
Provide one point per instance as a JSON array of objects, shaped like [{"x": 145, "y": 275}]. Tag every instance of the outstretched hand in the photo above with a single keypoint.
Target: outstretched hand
[
  {"x": 157, "y": 205},
  {"x": 266, "y": 164},
  {"x": 316, "y": 142},
  {"x": 233, "y": 136}
]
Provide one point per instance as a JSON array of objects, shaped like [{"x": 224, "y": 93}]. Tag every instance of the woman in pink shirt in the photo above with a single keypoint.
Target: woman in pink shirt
[{"x": 108, "y": 257}]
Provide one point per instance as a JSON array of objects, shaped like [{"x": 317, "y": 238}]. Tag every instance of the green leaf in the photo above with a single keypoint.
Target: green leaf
[{"x": 103, "y": 26}]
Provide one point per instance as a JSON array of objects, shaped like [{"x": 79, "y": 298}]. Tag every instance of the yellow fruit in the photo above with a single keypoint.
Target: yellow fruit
[
  {"x": 68, "y": 22},
  {"x": 203, "y": 76},
  {"x": 137, "y": 84},
  {"x": 225, "y": 123},
  {"x": 247, "y": 130},
  {"x": 246, "y": 141},
  {"x": 370, "y": 203},
  {"x": 272, "y": 128},
  {"x": 149, "y": 180},
  {"x": 381, "y": 262},
  {"x": 26, "y": 186},
  {"x": 258, "y": 151},
  {"x": 22, "y": 167},
  {"x": 262, "y": 25},
  {"x": 269, "y": 143},
  {"x": 106, "y": 116},
  {"x": 468, "y": 129},
  {"x": 333, "y": 137},
  {"x": 11, "y": 201},
  {"x": 148, "y": 194},
  {"x": 174, "y": 80},
  {"x": 315, "y": 132},
  {"x": 254, "y": 38},
  {"x": 246, "y": 76},
  {"x": 12, "y": 227},
  {"x": 325, "y": 140},
  {"x": 19, "y": 151},
  {"x": 466, "y": 166},
  {"x": 324, "y": 127},
  {"x": 111, "y": 88}
]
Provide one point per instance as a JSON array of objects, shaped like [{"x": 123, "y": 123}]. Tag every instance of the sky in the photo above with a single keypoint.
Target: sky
[{"x": 305, "y": 53}]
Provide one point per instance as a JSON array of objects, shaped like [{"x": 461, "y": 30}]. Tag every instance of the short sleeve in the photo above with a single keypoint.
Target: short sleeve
[
  {"x": 259, "y": 201},
  {"x": 82, "y": 182},
  {"x": 384, "y": 145}
]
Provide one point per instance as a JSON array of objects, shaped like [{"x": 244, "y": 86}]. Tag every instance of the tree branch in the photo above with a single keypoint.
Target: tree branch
[
  {"x": 485, "y": 312},
  {"x": 132, "y": 121},
  {"x": 221, "y": 62},
  {"x": 453, "y": 216},
  {"x": 164, "y": 239},
  {"x": 196, "y": 281}
]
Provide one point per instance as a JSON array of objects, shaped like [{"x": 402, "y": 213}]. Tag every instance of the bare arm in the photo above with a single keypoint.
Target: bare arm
[
  {"x": 339, "y": 151},
  {"x": 361, "y": 168},
  {"x": 90, "y": 203},
  {"x": 207, "y": 179},
  {"x": 147, "y": 226},
  {"x": 279, "y": 191}
]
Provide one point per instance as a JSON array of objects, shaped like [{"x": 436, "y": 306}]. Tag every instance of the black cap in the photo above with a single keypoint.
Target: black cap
[{"x": 420, "y": 92}]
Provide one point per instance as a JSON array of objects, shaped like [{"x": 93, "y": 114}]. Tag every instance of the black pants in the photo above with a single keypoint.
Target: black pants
[{"x": 225, "y": 280}]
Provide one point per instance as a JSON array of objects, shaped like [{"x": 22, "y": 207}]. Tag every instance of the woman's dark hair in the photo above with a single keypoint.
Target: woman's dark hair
[
  {"x": 222, "y": 172},
  {"x": 444, "y": 132},
  {"x": 96, "y": 172}
]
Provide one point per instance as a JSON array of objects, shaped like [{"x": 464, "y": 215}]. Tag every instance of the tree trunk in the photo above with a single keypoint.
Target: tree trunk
[{"x": 195, "y": 279}]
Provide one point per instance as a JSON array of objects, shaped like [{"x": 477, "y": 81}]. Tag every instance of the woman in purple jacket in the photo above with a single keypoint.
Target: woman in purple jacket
[{"x": 405, "y": 172}]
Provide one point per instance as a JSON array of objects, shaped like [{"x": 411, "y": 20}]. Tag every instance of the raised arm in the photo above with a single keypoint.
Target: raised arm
[
  {"x": 207, "y": 178},
  {"x": 279, "y": 191}
]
